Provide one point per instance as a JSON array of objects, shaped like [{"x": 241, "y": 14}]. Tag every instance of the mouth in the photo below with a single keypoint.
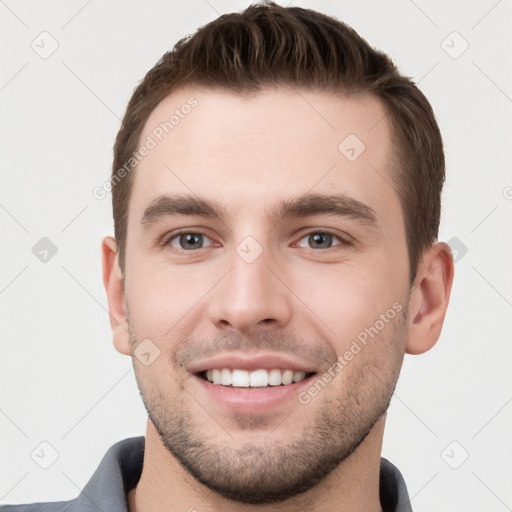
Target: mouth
[
  {"x": 258, "y": 379},
  {"x": 252, "y": 383}
]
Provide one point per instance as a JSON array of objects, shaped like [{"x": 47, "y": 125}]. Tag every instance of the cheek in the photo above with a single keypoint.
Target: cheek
[
  {"x": 347, "y": 301},
  {"x": 161, "y": 298}
]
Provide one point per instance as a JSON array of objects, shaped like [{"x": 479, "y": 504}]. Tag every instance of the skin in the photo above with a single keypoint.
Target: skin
[{"x": 297, "y": 298}]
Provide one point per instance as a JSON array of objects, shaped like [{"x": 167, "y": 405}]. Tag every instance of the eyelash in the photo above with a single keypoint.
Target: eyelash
[{"x": 343, "y": 241}]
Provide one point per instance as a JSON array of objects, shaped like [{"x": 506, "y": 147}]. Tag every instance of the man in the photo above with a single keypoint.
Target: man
[{"x": 276, "y": 193}]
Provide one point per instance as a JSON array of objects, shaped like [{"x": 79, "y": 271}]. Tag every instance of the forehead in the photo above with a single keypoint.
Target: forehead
[{"x": 261, "y": 147}]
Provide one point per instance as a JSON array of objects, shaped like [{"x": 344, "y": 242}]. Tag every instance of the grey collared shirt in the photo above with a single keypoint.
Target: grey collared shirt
[{"x": 121, "y": 467}]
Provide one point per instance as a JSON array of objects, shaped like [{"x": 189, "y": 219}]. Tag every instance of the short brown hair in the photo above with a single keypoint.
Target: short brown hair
[{"x": 270, "y": 45}]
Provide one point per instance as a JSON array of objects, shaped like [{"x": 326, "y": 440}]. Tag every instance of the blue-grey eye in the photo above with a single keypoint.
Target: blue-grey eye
[
  {"x": 319, "y": 240},
  {"x": 188, "y": 241}
]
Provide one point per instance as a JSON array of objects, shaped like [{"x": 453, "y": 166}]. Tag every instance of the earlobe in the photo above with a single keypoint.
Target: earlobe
[
  {"x": 114, "y": 286},
  {"x": 429, "y": 298}
]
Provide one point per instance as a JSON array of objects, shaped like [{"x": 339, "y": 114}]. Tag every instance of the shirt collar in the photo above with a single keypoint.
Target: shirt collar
[{"x": 121, "y": 468}]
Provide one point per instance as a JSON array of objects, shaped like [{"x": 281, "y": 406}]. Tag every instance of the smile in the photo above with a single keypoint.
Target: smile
[{"x": 260, "y": 378}]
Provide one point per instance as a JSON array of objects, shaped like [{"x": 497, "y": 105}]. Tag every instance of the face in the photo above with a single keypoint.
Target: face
[{"x": 266, "y": 251}]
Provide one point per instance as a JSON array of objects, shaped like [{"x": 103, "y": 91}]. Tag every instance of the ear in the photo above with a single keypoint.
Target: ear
[
  {"x": 114, "y": 286},
  {"x": 429, "y": 298}
]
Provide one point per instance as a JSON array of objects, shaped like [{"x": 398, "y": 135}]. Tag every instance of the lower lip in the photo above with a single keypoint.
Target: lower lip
[{"x": 253, "y": 400}]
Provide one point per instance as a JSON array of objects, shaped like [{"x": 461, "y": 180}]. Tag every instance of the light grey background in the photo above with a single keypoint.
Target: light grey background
[{"x": 61, "y": 380}]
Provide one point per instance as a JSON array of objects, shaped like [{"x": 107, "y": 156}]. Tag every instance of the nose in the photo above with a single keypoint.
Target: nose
[{"x": 252, "y": 297}]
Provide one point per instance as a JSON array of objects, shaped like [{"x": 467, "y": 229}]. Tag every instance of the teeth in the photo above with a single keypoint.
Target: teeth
[
  {"x": 258, "y": 379},
  {"x": 298, "y": 376},
  {"x": 287, "y": 377},
  {"x": 274, "y": 377},
  {"x": 225, "y": 377},
  {"x": 239, "y": 378},
  {"x": 255, "y": 379}
]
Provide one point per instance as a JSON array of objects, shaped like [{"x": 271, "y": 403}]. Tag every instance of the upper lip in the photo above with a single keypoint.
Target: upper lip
[{"x": 251, "y": 363}]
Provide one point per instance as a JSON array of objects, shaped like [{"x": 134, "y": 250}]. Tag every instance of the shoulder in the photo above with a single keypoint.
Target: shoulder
[
  {"x": 393, "y": 491},
  {"x": 56, "y": 506},
  {"x": 117, "y": 473}
]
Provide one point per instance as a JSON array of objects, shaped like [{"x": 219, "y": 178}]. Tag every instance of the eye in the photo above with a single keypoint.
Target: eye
[
  {"x": 189, "y": 241},
  {"x": 320, "y": 240}
]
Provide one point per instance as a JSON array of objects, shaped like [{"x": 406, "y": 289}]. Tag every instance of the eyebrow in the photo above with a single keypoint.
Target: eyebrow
[{"x": 301, "y": 206}]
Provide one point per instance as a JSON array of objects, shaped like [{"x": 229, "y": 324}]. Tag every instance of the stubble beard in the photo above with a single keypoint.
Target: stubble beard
[{"x": 271, "y": 471}]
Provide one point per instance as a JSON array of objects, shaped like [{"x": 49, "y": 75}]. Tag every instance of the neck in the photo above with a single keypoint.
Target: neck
[{"x": 352, "y": 486}]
